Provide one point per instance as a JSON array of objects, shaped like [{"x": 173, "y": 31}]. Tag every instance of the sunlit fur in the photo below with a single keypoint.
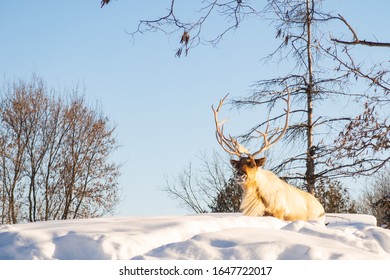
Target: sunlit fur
[{"x": 264, "y": 194}]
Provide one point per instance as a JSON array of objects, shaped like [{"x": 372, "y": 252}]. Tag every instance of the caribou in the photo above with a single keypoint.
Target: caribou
[{"x": 264, "y": 193}]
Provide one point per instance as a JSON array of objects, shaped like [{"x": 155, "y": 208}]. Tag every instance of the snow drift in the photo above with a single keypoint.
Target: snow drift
[{"x": 204, "y": 237}]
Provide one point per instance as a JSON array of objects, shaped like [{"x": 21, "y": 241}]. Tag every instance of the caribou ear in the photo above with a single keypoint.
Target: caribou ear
[
  {"x": 260, "y": 162},
  {"x": 234, "y": 163}
]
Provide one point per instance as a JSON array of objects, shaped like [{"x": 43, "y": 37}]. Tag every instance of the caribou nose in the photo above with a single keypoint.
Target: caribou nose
[{"x": 240, "y": 176}]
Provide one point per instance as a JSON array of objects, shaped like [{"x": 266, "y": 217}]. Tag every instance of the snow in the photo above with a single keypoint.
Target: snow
[{"x": 197, "y": 237}]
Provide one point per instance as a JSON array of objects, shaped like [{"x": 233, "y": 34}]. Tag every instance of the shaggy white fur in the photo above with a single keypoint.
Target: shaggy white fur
[{"x": 266, "y": 194}]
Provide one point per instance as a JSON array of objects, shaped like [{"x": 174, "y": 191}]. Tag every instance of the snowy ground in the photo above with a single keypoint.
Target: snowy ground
[{"x": 208, "y": 236}]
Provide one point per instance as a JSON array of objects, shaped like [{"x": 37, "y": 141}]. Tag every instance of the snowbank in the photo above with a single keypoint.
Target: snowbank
[{"x": 208, "y": 236}]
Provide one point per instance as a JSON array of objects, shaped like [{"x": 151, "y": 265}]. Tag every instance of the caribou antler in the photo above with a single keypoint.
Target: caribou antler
[
  {"x": 230, "y": 145},
  {"x": 267, "y": 144}
]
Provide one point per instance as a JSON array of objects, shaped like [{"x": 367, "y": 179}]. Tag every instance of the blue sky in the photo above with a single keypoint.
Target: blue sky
[{"x": 160, "y": 104}]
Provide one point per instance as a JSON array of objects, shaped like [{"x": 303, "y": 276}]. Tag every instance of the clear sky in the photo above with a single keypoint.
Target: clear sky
[{"x": 160, "y": 104}]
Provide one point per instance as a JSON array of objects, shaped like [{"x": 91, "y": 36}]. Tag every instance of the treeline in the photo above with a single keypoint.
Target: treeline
[{"x": 54, "y": 155}]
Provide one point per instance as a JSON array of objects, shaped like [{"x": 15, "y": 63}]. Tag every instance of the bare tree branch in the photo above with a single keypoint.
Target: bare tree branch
[
  {"x": 356, "y": 40},
  {"x": 233, "y": 11}
]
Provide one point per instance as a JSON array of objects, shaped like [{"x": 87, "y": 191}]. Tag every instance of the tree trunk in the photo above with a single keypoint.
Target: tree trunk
[{"x": 310, "y": 169}]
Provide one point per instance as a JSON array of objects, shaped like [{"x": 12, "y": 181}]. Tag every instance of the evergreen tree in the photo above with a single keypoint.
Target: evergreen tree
[
  {"x": 228, "y": 199},
  {"x": 335, "y": 197}
]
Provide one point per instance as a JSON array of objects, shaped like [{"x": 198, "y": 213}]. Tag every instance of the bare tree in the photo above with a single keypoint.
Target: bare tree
[
  {"x": 54, "y": 156},
  {"x": 207, "y": 188},
  {"x": 88, "y": 178}
]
